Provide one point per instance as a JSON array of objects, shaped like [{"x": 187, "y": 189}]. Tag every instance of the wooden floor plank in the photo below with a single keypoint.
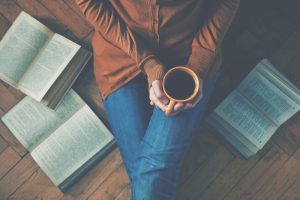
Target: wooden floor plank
[
  {"x": 286, "y": 140},
  {"x": 87, "y": 40},
  {"x": 293, "y": 193},
  {"x": 212, "y": 168},
  {"x": 11, "y": 140},
  {"x": 9, "y": 9},
  {"x": 235, "y": 194},
  {"x": 202, "y": 147},
  {"x": 205, "y": 175},
  {"x": 18, "y": 94},
  {"x": 4, "y": 25},
  {"x": 2, "y": 112},
  {"x": 293, "y": 70},
  {"x": 7, "y": 98},
  {"x": 95, "y": 178},
  {"x": 38, "y": 186},
  {"x": 283, "y": 55},
  {"x": 293, "y": 125},
  {"x": 83, "y": 42},
  {"x": 258, "y": 175},
  {"x": 87, "y": 88},
  {"x": 75, "y": 8},
  {"x": 282, "y": 180},
  {"x": 289, "y": 9},
  {"x": 247, "y": 42},
  {"x": 68, "y": 17},
  {"x": 118, "y": 179},
  {"x": 124, "y": 194},
  {"x": 17, "y": 176},
  {"x": 233, "y": 172},
  {"x": 8, "y": 159},
  {"x": 39, "y": 11},
  {"x": 3, "y": 144}
]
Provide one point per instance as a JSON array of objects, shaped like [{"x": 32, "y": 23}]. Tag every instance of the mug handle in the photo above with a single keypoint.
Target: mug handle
[{"x": 170, "y": 107}]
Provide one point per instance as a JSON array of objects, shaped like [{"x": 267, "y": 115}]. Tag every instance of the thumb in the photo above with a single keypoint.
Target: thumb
[{"x": 158, "y": 91}]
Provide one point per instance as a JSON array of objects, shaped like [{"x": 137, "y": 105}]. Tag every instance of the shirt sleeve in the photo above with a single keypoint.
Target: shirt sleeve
[
  {"x": 108, "y": 23},
  {"x": 210, "y": 35}
]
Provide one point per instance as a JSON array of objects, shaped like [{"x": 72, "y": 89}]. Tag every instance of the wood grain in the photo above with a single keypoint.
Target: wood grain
[
  {"x": 12, "y": 140},
  {"x": 8, "y": 159},
  {"x": 206, "y": 174},
  {"x": 19, "y": 174},
  {"x": 95, "y": 178},
  {"x": 286, "y": 140},
  {"x": 212, "y": 168},
  {"x": 293, "y": 193},
  {"x": 4, "y": 25},
  {"x": 39, "y": 11},
  {"x": 7, "y": 98},
  {"x": 3, "y": 144},
  {"x": 38, "y": 186},
  {"x": 68, "y": 17},
  {"x": 293, "y": 125},
  {"x": 76, "y": 9},
  {"x": 233, "y": 172},
  {"x": 282, "y": 180},
  {"x": 283, "y": 55},
  {"x": 258, "y": 175},
  {"x": 9, "y": 9},
  {"x": 124, "y": 194},
  {"x": 202, "y": 147},
  {"x": 118, "y": 179}
]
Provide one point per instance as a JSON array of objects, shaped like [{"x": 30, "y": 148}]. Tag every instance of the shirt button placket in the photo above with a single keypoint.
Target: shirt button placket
[
  {"x": 156, "y": 36},
  {"x": 155, "y": 21}
]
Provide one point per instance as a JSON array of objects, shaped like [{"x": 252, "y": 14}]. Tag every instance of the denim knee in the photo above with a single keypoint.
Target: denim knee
[
  {"x": 154, "y": 181},
  {"x": 156, "y": 176}
]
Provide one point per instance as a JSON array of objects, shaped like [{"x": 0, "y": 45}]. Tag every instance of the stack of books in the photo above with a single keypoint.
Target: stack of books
[{"x": 61, "y": 132}]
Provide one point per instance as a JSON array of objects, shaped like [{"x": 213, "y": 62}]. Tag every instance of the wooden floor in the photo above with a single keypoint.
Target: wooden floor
[{"x": 212, "y": 170}]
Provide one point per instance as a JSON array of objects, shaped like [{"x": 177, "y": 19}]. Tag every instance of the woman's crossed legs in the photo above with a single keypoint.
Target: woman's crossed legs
[{"x": 152, "y": 145}]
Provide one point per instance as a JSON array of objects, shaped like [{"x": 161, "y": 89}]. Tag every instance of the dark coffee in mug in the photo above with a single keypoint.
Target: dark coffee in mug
[{"x": 180, "y": 85}]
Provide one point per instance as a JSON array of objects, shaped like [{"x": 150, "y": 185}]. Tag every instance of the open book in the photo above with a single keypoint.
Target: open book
[
  {"x": 252, "y": 112},
  {"x": 40, "y": 63},
  {"x": 65, "y": 142}
]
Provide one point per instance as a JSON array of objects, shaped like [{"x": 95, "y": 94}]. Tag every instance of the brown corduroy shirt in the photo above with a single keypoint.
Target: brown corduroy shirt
[{"x": 152, "y": 36}]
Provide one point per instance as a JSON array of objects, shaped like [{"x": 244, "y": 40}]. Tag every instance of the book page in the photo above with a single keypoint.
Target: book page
[
  {"x": 71, "y": 145},
  {"x": 268, "y": 70},
  {"x": 245, "y": 118},
  {"x": 268, "y": 99},
  {"x": 245, "y": 148},
  {"x": 224, "y": 128},
  {"x": 31, "y": 122},
  {"x": 20, "y": 46},
  {"x": 48, "y": 66}
]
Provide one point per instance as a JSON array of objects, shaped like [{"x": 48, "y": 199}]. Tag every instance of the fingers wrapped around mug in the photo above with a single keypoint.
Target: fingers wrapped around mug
[
  {"x": 157, "y": 96},
  {"x": 181, "y": 85}
]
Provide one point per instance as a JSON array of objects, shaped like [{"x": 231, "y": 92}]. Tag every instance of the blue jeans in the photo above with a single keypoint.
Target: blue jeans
[{"x": 151, "y": 144}]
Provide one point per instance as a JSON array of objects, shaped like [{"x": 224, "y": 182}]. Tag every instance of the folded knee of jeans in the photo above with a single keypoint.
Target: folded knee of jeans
[
  {"x": 148, "y": 165},
  {"x": 155, "y": 183}
]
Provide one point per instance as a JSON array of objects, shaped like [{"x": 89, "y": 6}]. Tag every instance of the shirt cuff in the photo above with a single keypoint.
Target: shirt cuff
[
  {"x": 201, "y": 60},
  {"x": 154, "y": 69}
]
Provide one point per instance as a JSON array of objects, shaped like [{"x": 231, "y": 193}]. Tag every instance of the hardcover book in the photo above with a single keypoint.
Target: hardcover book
[
  {"x": 65, "y": 142},
  {"x": 251, "y": 113},
  {"x": 40, "y": 63}
]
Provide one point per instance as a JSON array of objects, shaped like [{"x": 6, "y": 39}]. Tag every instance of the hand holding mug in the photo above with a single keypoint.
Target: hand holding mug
[
  {"x": 182, "y": 86},
  {"x": 157, "y": 96}
]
